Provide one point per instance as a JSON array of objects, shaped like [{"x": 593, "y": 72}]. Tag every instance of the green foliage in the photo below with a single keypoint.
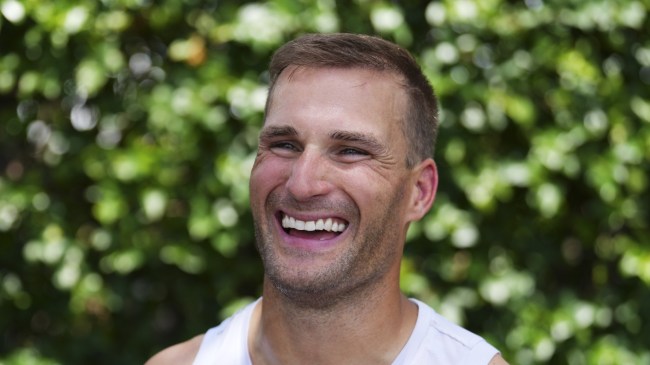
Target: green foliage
[{"x": 128, "y": 129}]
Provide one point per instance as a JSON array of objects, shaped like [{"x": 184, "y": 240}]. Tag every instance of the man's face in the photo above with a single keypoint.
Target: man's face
[{"x": 330, "y": 190}]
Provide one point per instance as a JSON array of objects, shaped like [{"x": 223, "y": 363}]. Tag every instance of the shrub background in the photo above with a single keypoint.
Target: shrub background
[{"x": 128, "y": 129}]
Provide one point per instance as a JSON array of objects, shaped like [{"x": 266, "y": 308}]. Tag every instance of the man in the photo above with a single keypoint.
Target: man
[{"x": 343, "y": 167}]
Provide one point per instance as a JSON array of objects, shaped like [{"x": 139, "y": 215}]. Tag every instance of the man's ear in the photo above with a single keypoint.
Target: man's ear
[{"x": 424, "y": 187}]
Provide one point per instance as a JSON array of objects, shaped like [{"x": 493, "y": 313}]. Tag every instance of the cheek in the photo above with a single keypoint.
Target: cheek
[
  {"x": 377, "y": 195},
  {"x": 266, "y": 174},
  {"x": 368, "y": 192},
  {"x": 372, "y": 181}
]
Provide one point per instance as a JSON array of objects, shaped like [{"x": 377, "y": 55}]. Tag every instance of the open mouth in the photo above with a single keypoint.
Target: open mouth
[{"x": 320, "y": 229}]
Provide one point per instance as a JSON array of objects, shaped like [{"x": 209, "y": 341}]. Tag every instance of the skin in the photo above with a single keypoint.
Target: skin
[{"x": 332, "y": 146}]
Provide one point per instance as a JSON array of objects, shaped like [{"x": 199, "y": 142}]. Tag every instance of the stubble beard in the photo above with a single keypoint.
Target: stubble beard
[{"x": 352, "y": 275}]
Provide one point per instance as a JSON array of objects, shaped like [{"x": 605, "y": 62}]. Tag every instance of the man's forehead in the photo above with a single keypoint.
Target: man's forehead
[
  {"x": 270, "y": 131},
  {"x": 359, "y": 100},
  {"x": 385, "y": 83}
]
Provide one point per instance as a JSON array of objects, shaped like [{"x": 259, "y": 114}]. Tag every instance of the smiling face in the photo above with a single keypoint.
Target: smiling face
[{"x": 330, "y": 192}]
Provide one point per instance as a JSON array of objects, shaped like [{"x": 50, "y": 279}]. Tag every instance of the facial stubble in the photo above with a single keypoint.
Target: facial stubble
[{"x": 353, "y": 274}]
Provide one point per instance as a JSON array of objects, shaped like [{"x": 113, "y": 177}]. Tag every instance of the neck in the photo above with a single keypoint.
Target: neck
[{"x": 349, "y": 331}]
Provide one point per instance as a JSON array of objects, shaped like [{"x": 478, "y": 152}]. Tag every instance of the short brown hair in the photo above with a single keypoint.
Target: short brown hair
[{"x": 344, "y": 50}]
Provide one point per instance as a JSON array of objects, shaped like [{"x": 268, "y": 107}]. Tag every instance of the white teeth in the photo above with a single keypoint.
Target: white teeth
[{"x": 310, "y": 226}]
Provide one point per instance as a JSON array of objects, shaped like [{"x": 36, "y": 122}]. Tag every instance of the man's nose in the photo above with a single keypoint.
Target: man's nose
[{"x": 308, "y": 177}]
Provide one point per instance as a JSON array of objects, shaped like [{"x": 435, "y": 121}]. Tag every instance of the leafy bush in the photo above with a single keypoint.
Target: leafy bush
[{"x": 128, "y": 129}]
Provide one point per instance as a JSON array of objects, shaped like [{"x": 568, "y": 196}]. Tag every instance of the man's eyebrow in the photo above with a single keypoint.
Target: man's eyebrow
[
  {"x": 366, "y": 140},
  {"x": 273, "y": 131}
]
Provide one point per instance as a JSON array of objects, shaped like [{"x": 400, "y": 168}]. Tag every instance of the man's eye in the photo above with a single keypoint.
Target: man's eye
[
  {"x": 353, "y": 151},
  {"x": 288, "y": 146}
]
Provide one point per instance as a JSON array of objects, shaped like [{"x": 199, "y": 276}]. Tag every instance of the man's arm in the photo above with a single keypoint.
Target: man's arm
[
  {"x": 498, "y": 360},
  {"x": 180, "y": 354}
]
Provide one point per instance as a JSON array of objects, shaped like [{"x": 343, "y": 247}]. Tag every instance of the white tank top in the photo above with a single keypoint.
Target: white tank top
[{"x": 434, "y": 340}]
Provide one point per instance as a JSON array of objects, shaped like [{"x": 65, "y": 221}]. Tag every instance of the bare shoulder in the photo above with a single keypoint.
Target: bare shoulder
[
  {"x": 498, "y": 360},
  {"x": 179, "y": 354}
]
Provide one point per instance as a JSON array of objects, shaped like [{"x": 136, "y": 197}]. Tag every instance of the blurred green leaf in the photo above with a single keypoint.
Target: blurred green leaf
[{"x": 128, "y": 129}]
